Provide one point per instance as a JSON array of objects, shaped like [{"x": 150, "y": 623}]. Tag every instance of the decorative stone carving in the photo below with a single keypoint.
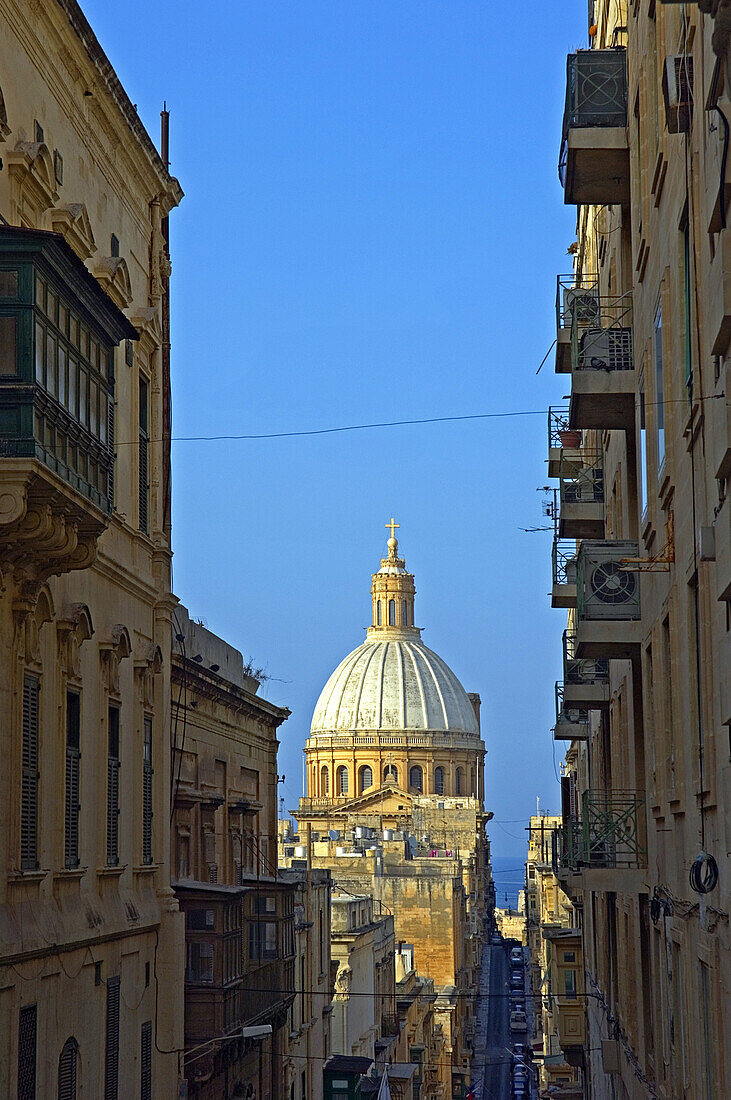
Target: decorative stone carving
[
  {"x": 148, "y": 665},
  {"x": 147, "y": 322},
  {"x": 113, "y": 275},
  {"x": 342, "y": 983},
  {"x": 72, "y": 221},
  {"x": 73, "y": 628},
  {"x": 33, "y": 178},
  {"x": 115, "y": 649}
]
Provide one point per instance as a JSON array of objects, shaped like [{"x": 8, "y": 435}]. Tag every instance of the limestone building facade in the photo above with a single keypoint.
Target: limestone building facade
[
  {"x": 89, "y": 927},
  {"x": 642, "y": 557},
  {"x": 244, "y": 920},
  {"x": 394, "y": 805}
]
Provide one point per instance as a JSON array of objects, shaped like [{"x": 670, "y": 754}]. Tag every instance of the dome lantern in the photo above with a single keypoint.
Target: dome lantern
[{"x": 392, "y": 592}]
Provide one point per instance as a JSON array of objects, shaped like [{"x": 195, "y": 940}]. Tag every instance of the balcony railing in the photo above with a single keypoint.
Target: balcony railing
[
  {"x": 577, "y": 302},
  {"x": 563, "y": 572},
  {"x": 608, "y": 834},
  {"x": 581, "y": 495},
  {"x": 585, "y": 680},
  {"x": 604, "y": 343},
  {"x": 563, "y": 442},
  {"x": 594, "y": 160},
  {"x": 572, "y": 723}
]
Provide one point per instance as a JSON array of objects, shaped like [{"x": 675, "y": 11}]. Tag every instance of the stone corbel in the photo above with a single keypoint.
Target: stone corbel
[
  {"x": 112, "y": 651},
  {"x": 148, "y": 664},
  {"x": 31, "y": 613},
  {"x": 73, "y": 628},
  {"x": 147, "y": 322}
]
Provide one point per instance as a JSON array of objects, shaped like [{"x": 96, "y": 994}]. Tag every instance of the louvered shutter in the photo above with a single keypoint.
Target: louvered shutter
[
  {"x": 147, "y": 793},
  {"x": 143, "y": 488},
  {"x": 146, "y": 1062},
  {"x": 67, "y": 1071},
  {"x": 27, "y": 1032},
  {"x": 110, "y": 444},
  {"x": 111, "y": 1051},
  {"x": 73, "y": 756},
  {"x": 29, "y": 784},
  {"x": 113, "y": 789}
]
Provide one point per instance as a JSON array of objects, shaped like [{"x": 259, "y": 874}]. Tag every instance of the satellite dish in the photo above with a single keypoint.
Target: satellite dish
[{"x": 333, "y": 834}]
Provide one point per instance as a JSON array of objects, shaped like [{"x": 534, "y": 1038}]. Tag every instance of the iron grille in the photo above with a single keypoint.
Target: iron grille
[
  {"x": 27, "y": 1035},
  {"x": 563, "y": 561},
  {"x": 596, "y": 93}
]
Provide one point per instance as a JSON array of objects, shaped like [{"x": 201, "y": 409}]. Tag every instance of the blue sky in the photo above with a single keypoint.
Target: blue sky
[{"x": 371, "y": 231}]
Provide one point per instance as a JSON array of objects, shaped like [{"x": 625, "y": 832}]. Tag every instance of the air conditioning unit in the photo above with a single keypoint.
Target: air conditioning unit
[
  {"x": 606, "y": 349},
  {"x": 586, "y": 488},
  {"x": 605, "y": 588},
  {"x": 581, "y": 305},
  {"x": 588, "y": 670},
  {"x": 677, "y": 90}
]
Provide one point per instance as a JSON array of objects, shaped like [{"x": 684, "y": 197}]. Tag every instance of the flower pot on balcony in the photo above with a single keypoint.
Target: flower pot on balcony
[{"x": 570, "y": 439}]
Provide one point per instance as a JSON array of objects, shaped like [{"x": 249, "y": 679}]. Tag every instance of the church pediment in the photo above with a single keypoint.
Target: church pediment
[{"x": 384, "y": 801}]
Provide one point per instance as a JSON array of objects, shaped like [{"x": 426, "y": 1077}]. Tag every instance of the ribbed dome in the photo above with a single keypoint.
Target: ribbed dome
[{"x": 394, "y": 684}]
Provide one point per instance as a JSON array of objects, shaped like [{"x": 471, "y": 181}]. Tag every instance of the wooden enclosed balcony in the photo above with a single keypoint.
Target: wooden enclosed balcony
[
  {"x": 594, "y": 158},
  {"x": 58, "y": 331}
]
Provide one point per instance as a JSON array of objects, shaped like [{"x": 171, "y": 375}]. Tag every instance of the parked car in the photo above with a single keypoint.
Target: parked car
[
  {"x": 517, "y": 953},
  {"x": 517, "y": 1006},
  {"x": 516, "y": 964},
  {"x": 520, "y": 1051},
  {"x": 517, "y": 981},
  {"x": 518, "y": 1021},
  {"x": 496, "y": 939}
]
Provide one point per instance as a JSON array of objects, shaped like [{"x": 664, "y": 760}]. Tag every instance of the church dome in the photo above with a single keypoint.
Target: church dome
[{"x": 394, "y": 684}]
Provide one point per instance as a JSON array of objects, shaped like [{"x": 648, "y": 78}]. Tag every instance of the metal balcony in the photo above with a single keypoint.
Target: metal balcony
[
  {"x": 563, "y": 569},
  {"x": 581, "y": 496},
  {"x": 585, "y": 682},
  {"x": 563, "y": 442},
  {"x": 572, "y": 724},
  {"x": 603, "y": 377},
  {"x": 604, "y": 847},
  {"x": 607, "y": 600},
  {"x": 576, "y": 301},
  {"x": 594, "y": 158}
]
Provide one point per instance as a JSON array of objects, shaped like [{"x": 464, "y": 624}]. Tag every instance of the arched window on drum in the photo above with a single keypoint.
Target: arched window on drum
[
  {"x": 391, "y": 612},
  {"x": 342, "y": 778},
  {"x": 324, "y": 780},
  {"x": 416, "y": 778},
  {"x": 366, "y": 778},
  {"x": 404, "y": 613},
  {"x": 378, "y": 613},
  {"x": 439, "y": 780},
  {"x": 459, "y": 781}
]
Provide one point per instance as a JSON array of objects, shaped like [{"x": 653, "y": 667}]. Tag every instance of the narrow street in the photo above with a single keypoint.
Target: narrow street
[{"x": 492, "y": 1052}]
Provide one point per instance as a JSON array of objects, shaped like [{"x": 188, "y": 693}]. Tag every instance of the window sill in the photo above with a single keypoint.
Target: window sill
[
  {"x": 68, "y": 874},
  {"x": 146, "y": 868},
  {"x": 118, "y": 869},
  {"x": 28, "y": 876}
]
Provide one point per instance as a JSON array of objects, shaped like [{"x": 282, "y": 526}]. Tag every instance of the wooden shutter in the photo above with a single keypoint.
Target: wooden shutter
[
  {"x": 147, "y": 792},
  {"x": 111, "y": 1051},
  {"x": 67, "y": 1070},
  {"x": 27, "y": 1032},
  {"x": 144, "y": 492},
  {"x": 110, "y": 444},
  {"x": 146, "y": 1062},
  {"x": 113, "y": 789},
  {"x": 73, "y": 756},
  {"x": 29, "y": 785}
]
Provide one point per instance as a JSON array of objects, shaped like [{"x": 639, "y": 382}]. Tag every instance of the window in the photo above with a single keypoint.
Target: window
[
  {"x": 113, "y": 788},
  {"x": 459, "y": 781},
  {"x": 262, "y": 940},
  {"x": 390, "y": 774},
  {"x": 570, "y": 984},
  {"x": 643, "y": 456},
  {"x": 67, "y": 1065},
  {"x": 324, "y": 780},
  {"x": 199, "y": 962},
  {"x": 111, "y": 1045},
  {"x": 391, "y": 612},
  {"x": 144, "y": 488},
  {"x": 378, "y": 613},
  {"x": 147, "y": 791},
  {"x": 114, "y": 245},
  {"x": 687, "y": 292},
  {"x": 73, "y": 756},
  {"x": 659, "y": 392},
  {"x": 146, "y": 1061},
  {"x": 404, "y": 613},
  {"x": 366, "y": 778},
  {"x": 439, "y": 780},
  {"x": 342, "y": 775},
  {"x": 199, "y": 920},
  {"x": 8, "y": 346},
  {"x": 27, "y": 1038},
  {"x": 29, "y": 786},
  {"x": 416, "y": 778},
  {"x": 707, "y": 1017}
]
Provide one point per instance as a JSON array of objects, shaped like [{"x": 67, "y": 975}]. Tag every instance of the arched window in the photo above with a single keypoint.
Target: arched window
[
  {"x": 366, "y": 778},
  {"x": 404, "y": 614},
  {"x": 472, "y": 782},
  {"x": 67, "y": 1064},
  {"x": 342, "y": 780},
  {"x": 439, "y": 781},
  {"x": 324, "y": 780},
  {"x": 391, "y": 612},
  {"x": 416, "y": 778},
  {"x": 390, "y": 774},
  {"x": 459, "y": 781},
  {"x": 378, "y": 613}
]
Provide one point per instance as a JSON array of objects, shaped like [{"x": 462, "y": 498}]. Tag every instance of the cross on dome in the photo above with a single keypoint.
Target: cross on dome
[{"x": 392, "y": 526}]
